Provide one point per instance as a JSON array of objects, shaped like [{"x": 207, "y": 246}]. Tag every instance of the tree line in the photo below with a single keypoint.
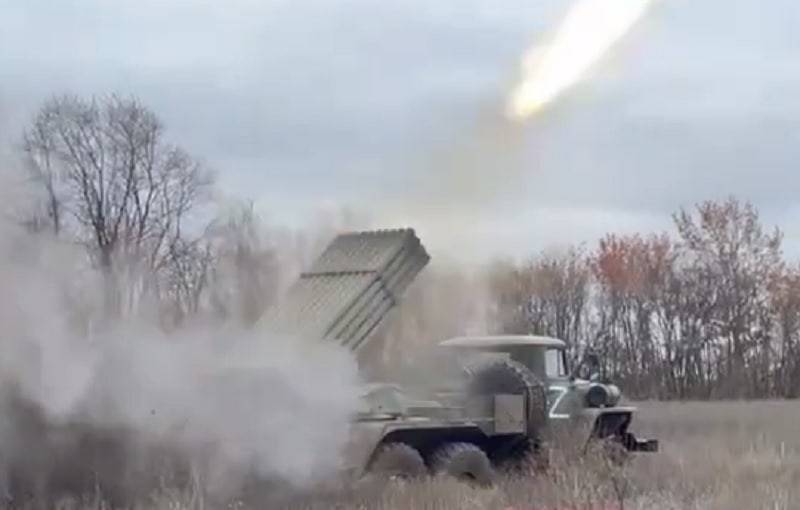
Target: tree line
[{"x": 708, "y": 310}]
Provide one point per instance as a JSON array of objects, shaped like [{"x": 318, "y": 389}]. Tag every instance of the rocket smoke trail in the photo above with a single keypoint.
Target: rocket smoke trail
[
  {"x": 483, "y": 168},
  {"x": 590, "y": 29}
]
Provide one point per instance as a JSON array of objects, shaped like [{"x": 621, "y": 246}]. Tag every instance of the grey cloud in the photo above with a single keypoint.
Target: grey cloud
[{"x": 299, "y": 102}]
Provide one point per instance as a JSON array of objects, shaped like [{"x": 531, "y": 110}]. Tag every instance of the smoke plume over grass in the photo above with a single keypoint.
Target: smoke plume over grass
[{"x": 226, "y": 401}]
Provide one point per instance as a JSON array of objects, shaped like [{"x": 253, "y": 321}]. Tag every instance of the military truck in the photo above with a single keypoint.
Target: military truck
[
  {"x": 515, "y": 396},
  {"x": 516, "y": 402}
]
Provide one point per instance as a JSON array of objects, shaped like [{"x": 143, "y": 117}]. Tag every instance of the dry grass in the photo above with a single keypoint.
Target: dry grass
[
  {"x": 731, "y": 456},
  {"x": 716, "y": 456}
]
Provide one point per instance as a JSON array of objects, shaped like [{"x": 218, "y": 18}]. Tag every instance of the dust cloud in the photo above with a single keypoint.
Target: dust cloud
[{"x": 84, "y": 397}]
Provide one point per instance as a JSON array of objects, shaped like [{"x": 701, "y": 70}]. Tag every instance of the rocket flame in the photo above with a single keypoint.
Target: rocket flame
[{"x": 589, "y": 30}]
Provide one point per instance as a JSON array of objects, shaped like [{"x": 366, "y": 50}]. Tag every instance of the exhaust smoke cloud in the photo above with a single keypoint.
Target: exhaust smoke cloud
[{"x": 238, "y": 402}]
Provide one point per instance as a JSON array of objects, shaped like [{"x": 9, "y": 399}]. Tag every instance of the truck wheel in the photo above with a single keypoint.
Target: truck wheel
[
  {"x": 526, "y": 458},
  {"x": 463, "y": 461},
  {"x": 397, "y": 461}
]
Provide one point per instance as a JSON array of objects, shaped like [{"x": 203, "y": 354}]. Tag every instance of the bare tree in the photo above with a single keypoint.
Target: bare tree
[
  {"x": 786, "y": 303},
  {"x": 185, "y": 280},
  {"x": 560, "y": 290},
  {"x": 245, "y": 276},
  {"x": 728, "y": 247},
  {"x": 684, "y": 307},
  {"x": 113, "y": 183},
  {"x": 547, "y": 295}
]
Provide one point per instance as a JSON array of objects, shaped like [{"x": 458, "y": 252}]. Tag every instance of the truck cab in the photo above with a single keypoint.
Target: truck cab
[{"x": 589, "y": 404}]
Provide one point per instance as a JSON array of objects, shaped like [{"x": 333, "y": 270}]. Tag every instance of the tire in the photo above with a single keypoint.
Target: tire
[
  {"x": 511, "y": 377},
  {"x": 524, "y": 458},
  {"x": 463, "y": 461},
  {"x": 397, "y": 461}
]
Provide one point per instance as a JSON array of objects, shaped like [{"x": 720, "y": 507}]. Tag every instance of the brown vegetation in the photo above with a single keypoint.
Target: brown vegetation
[
  {"x": 710, "y": 312},
  {"x": 716, "y": 456}
]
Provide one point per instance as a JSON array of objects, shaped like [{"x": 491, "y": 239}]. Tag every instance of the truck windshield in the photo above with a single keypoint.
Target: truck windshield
[{"x": 554, "y": 363}]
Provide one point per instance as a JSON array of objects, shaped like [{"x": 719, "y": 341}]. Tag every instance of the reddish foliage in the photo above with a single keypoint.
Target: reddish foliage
[{"x": 631, "y": 264}]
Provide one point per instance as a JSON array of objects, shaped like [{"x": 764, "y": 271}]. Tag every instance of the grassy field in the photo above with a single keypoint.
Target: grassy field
[
  {"x": 720, "y": 456},
  {"x": 725, "y": 456}
]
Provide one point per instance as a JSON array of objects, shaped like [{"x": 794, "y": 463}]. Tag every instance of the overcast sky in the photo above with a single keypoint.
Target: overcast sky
[{"x": 393, "y": 108}]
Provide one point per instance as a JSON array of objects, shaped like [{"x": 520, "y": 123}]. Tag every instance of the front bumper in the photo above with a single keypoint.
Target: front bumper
[{"x": 634, "y": 444}]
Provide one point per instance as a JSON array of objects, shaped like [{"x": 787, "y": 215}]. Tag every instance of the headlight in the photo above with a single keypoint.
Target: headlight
[
  {"x": 597, "y": 396},
  {"x": 602, "y": 395}
]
